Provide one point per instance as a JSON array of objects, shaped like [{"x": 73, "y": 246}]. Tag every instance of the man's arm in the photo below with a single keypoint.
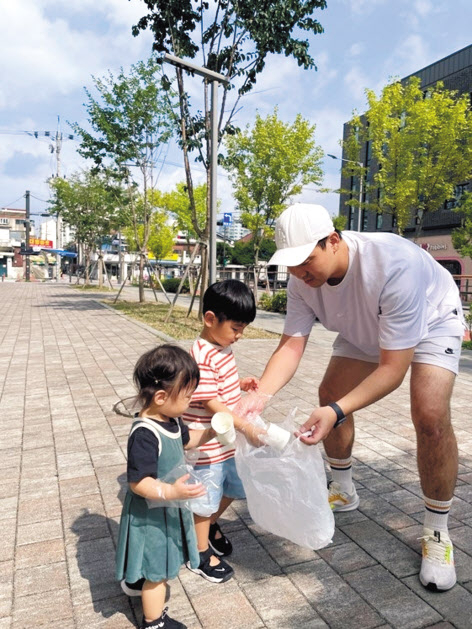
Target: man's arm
[
  {"x": 282, "y": 364},
  {"x": 388, "y": 376}
]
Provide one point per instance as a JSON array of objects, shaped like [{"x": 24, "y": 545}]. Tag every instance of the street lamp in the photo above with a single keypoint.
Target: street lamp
[
  {"x": 352, "y": 161},
  {"x": 214, "y": 78}
]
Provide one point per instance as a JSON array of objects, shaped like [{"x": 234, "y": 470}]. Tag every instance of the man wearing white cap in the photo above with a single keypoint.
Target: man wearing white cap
[{"x": 394, "y": 307}]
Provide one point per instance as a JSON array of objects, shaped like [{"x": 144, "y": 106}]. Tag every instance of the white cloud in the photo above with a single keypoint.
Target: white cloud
[
  {"x": 355, "y": 50},
  {"x": 53, "y": 56},
  {"x": 410, "y": 54},
  {"x": 356, "y": 82},
  {"x": 423, "y": 7},
  {"x": 363, "y": 6}
]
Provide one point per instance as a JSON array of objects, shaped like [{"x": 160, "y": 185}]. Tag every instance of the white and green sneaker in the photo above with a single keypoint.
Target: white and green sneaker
[
  {"x": 437, "y": 568},
  {"x": 340, "y": 500}
]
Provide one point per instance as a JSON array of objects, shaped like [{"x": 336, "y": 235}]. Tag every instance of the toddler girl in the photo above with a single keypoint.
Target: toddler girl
[{"x": 153, "y": 543}]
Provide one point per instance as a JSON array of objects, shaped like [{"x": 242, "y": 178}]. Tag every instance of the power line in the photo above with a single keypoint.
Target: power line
[
  {"x": 38, "y": 199},
  {"x": 15, "y": 201}
]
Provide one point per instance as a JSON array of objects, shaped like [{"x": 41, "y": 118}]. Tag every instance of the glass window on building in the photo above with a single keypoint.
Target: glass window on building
[{"x": 378, "y": 221}]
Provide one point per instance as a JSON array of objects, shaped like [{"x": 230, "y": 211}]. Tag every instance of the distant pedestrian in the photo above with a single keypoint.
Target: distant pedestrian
[
  {"x": 394, "y": 308},
  {"x": 155, "y": 541}
]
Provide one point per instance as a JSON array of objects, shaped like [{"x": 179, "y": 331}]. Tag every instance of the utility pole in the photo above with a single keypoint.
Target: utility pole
[
  {"x": 214, "y": 78},
  {"x": 27, "y": 236},
  {"x": 58, "y": 216}
]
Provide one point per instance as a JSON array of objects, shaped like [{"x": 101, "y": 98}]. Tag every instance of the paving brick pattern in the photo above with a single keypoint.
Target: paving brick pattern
[{"x": 65, "y": 360}]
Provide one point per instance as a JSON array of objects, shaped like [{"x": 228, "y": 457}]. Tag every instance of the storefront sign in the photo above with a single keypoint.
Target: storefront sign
[
  {"x": 39, "y": 242},
  {"x": 433, "y": 247}
]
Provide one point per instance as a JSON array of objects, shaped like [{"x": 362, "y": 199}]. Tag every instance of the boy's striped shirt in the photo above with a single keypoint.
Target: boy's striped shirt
[{"x": 219, "y": 380}]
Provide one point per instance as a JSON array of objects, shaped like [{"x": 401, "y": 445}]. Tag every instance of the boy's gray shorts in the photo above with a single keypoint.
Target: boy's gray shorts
[{"x": 441, "y": 351}]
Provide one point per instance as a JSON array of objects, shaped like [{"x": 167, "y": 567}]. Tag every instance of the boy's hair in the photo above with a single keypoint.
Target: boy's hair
[
  {"x": 166, "y": 367},
  {"x": 230, "y": 300}
]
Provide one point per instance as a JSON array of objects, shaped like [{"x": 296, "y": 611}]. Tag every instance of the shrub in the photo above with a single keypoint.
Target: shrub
[
  {"x": 172, "y": 284},
  {"x": 468, "y": 321},
  {"x": 279, "y": 301},
  {"x": 274, "y": 303}
]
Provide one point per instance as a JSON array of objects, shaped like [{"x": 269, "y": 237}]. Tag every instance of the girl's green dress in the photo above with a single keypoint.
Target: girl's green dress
[{"x": 155, "y": 542}]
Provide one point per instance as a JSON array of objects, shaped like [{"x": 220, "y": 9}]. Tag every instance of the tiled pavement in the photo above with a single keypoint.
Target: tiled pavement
[{"x": 64, "y": 361}]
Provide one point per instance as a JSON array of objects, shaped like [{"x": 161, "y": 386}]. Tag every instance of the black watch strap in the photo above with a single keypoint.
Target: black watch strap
[{"x": 340, "y": 417}]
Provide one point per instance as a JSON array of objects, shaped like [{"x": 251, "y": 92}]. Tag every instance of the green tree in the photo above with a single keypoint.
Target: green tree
[
  {"x": 339, "y": 222},
  {"x": 88, "y": 203},
  {"x": 422, "y": 143},
  {"x": 243, "y": 252},
  {"x": 232, "y": 38},
  {"x": 161, "y": 233},
  {"x": 462, "y": 236},
  {"x": 130, "y": 119},
  {"x": 269, "y": 164}
]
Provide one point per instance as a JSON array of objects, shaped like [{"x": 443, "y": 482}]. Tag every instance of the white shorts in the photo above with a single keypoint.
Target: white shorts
[{"x": 441, "y": 351}]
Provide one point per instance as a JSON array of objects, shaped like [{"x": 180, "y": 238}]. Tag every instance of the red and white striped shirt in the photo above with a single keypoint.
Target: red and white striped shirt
[{"x": 219, "y": 380}]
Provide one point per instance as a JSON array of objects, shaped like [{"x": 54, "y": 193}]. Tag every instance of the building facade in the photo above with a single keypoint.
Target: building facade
[
  {"x": 455, "y": 71},
  {"x": 12, "y": 234}
]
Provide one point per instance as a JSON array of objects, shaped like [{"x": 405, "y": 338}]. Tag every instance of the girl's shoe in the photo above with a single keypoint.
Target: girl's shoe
[
  {"x": 221, "y": 546},
  {"x": 163, "y": 622}
]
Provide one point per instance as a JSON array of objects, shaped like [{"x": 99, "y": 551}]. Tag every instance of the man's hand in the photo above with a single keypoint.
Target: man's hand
[
  {"x": 250, "y": 383},
  {"x": 252, "y": 405},
  {"x": 319, "y": 424}
]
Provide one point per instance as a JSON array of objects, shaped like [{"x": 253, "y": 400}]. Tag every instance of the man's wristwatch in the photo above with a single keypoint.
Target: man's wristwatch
[{"x": 340, "y": 417}]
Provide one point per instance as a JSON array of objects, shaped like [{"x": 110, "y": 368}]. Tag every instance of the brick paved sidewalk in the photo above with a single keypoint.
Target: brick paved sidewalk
[{"x": 64, "y": 361}]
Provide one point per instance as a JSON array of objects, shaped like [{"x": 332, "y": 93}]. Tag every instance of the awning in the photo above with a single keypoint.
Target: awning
[{"x": 61, "y": 252}]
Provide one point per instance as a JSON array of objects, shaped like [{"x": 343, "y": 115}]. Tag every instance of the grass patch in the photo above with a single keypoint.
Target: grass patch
[
  {"x": 94, "y": 287},
  {"x": 466, "y": 344},
  {"x": 180, "y": 326}
]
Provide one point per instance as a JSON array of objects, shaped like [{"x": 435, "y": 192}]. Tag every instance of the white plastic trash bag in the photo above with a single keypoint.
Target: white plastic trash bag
[{"x": 287, "y": 491}]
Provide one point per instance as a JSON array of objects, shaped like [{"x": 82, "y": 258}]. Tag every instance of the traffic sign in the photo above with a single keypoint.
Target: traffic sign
[{"x": 227, "y": 218}]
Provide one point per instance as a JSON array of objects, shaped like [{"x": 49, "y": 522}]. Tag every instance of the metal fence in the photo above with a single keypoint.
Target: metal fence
[{"x": 464, "y": 283}]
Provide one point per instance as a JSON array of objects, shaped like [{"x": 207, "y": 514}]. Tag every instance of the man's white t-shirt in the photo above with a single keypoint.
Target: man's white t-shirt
[{"x": 393, "y": 296}]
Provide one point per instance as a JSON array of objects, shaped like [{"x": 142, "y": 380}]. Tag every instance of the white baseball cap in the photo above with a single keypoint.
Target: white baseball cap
[{"x": 297, "y": 232}]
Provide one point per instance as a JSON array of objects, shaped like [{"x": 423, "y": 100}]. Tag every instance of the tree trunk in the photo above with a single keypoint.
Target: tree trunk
[
  {"x": 204, "y": 281},
  {"x": 142, "y": 297},
  {"x": 87, "y": 268},
  {"x": 100, "y": 270}
]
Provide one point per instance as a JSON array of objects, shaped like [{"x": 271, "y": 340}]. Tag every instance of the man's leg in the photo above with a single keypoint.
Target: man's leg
[
  {"x": 342, "y": 375},
  {"x": 431, "y": 390}
]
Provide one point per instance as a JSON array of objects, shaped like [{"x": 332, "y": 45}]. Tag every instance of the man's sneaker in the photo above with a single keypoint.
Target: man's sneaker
[
  {"x": 437, "y": 568},
  {"x": 220, "y": 573},
  {"x": 163, "y": 622},
  {"x": 341, "y": 500},
  {"x": 132, "y": 589},
  {"x": 221, "y": 546}
]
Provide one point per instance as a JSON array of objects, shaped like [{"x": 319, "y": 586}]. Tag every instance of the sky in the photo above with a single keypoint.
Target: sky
[{"x": 50, "y": 49}]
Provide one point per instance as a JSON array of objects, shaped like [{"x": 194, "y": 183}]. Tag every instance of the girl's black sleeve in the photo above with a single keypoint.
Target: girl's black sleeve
[
  {"x": 184, "y": 432},
  {"x": 143, "y": 453}
]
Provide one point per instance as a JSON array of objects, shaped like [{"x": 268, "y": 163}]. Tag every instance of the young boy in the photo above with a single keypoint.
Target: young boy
[{"x": 228, "y": 307}]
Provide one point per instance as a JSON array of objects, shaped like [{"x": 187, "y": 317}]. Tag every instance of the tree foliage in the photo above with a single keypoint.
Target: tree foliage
[
  {"x": 178, "y": 204},
  {"x": 88, "y": 203},
  {"x": 162, "y": 232},
  {"x": 269, "y": 164},
  {"x": 130, "y": 118},
  {"x": 422, "y": 145},
  {"x": 232, "y": 38},
  {"x": 243, "y": 251},
  {"x": 462, "y": 236}
]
